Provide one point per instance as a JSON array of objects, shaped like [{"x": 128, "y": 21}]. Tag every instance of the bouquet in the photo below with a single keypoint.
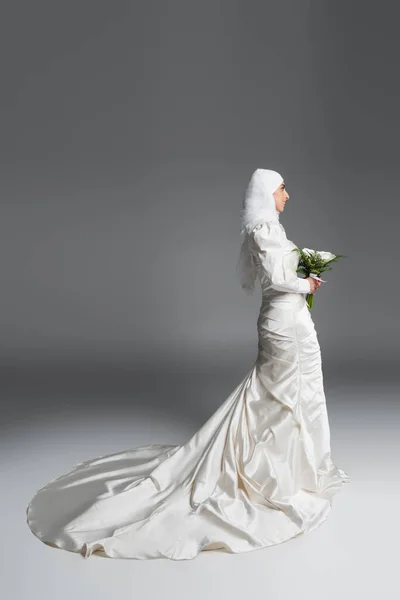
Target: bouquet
[{"x": 314, "y": 262}]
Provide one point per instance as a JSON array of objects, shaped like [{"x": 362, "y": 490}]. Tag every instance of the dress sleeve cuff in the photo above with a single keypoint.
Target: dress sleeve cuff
[{"x": 304, "y": 286}]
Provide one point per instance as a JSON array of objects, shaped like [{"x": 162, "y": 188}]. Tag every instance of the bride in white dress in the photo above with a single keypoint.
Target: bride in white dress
[{"x": 257, "y": 473}]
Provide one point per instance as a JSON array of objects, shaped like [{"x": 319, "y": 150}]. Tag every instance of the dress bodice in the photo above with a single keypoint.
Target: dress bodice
[{"x": 275, "y": 260}]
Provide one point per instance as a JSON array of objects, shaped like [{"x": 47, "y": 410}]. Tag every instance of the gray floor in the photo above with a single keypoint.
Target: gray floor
[{"x": 54, "y": 418}]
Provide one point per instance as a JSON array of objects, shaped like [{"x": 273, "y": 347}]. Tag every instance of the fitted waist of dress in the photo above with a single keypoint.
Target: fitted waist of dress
[{"x": 283, "y": 300}]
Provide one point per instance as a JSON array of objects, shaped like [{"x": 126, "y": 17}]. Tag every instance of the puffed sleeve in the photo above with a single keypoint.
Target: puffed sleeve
[{"x": 278, "y": 259}]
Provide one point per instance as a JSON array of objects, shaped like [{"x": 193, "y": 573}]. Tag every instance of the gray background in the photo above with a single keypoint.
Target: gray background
[{"x": 129, "y": 131}]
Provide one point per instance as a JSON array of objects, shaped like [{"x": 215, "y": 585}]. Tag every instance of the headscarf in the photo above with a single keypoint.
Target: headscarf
[{"x": 258, "y": 207}]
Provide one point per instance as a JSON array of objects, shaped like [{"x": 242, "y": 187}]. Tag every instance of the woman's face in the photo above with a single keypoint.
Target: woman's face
[{"x": 281, "y": 196}]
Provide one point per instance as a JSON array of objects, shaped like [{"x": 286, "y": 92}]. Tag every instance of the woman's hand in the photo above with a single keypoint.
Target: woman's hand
[{"x": 314, "y": 283}]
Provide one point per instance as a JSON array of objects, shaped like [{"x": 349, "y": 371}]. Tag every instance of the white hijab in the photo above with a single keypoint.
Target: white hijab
[{"x": 258, "y": 206}]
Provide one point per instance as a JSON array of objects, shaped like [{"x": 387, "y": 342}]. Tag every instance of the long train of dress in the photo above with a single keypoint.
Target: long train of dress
[{"x": 257, "y": 473}]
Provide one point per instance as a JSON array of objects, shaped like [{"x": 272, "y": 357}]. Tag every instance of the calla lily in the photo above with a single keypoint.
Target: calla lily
[
  {"x": 326, "y": 255},
  {"x": 323, "y": 254}
]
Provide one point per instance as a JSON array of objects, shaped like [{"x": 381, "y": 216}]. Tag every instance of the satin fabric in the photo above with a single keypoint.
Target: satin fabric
[{"x": 259, "y": 472}]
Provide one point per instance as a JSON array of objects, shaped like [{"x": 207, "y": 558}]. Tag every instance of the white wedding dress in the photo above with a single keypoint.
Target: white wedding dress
[{"x": 257, "y": 473}]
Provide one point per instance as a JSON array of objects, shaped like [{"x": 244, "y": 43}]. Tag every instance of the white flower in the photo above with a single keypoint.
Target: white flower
[{"x": 326, "y": 256}]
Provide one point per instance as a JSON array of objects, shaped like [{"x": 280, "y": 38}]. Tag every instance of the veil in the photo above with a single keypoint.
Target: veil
[{"x": 258, "y": 206}]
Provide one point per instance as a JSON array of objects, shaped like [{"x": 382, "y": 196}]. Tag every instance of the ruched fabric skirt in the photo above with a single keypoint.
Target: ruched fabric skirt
[{"x": 257, "y": 473}]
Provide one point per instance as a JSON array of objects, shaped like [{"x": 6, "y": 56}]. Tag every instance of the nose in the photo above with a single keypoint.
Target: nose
[{"x": 287, "y": 196}]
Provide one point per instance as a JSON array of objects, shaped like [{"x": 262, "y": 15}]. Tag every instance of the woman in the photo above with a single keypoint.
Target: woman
[{"x": 257, "y": 473}]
